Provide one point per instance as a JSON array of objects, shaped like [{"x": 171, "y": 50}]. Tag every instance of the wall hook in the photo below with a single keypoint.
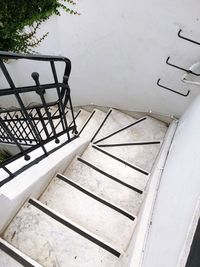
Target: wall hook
[
  {"x": 176, "y": 92},
  {"x": 181, "y": 68},
  {"x": 187, "y": 39}
]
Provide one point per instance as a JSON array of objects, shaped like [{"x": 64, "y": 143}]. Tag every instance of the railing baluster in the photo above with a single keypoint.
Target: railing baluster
[
  {"x": 61, "y": 105},
  {"x": 27, "y": 125},
  {"x": 68, "y": 98},
  {"x": 19, "y": 100},
  {"x": 28, "y": 133},
  {"x": 48, "y": 121},
  {"x": 35, "y": 77},
  {"x": 43, "y": 123},
  {"x": 3, "y": 124},
  {"x": 36, "y": 128},
  {"x": 20, "y": 127},
  {"x": 8, "y": 137},
  {"x": 25, "y": 121},
  {"x": 7, "y": 170},
  {"x": 58, "y": 93},
  {"x": 30, "y": 111},
  {"x": 3, "y": 135},
  {"x": 25, "y": 137},
  {"x": 17, "y": 132},
  {"x": 59, "y": 122}
]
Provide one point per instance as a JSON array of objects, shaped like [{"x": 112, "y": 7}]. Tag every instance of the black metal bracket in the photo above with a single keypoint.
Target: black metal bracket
[
  {"x": 187, "y": 39},
  {"x": 180, "y": 68},
  {"x": 176, "y": 92}
]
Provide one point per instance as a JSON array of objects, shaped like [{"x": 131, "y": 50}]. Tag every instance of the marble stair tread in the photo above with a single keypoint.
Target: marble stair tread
[
  {"x": 115, "y": 121},
  {"x": 8, "y": 261},
  {"x": 12, "y": 257},
  {"x": 98, "y": 218},
  {"x": 149, "y": 129},
  {"x": 52, "y": 244},
  {"x": 142, "y": 156},
  {"x": 115, "y": 167},
  {"x": 104, "y": 186},
  {"x": 93, "y": 124}
]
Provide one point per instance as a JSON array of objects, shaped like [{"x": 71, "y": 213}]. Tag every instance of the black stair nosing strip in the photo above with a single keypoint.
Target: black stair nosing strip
[
  {"x": 103, "y": 201},
  {"x": 91, "y": 115},
  {"x": 120, "y": 130},
  {"x": 120, "y": 160},
  {"x": 101, "y": 125},
  {"x": 76, "y": 116},
  {"x": 13, "y": 254},
  {"x": 110, "y": 176},
  {"x": 75, "y": 228},
  {"x": 131, "y": 144}
]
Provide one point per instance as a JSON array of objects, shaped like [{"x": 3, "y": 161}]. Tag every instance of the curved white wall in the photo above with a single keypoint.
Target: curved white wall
[
  {"x": 118, "y": 51},
  {"x": 178, "y": 196}
]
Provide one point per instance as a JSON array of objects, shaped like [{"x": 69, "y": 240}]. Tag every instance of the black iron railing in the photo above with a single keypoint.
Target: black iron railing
[{"x": 33, "y": 126}]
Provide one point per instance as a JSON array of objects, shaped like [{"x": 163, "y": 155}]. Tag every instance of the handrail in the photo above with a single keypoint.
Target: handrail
[
  {"x": 37, "y": 57},
  {"x": 169, "y": 89},
  {"x": 26, "y": 89},
  {"x": 181, "y": 68},
  {"x": 187, "y": 39},
  {"x": 34, "y": 126},
  {"x": 11, "y": 55}
]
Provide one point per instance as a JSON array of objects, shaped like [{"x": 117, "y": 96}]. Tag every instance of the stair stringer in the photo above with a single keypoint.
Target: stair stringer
[{"x": 136, "y": 250}]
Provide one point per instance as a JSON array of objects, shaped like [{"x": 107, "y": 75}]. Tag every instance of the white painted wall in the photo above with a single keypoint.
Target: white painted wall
[
  {"x": 118, "y": 51},
  {"x": 178, "y": 195}
]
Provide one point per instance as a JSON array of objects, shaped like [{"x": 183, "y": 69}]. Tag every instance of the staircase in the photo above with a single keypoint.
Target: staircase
[{"x": 87, "y": 215}]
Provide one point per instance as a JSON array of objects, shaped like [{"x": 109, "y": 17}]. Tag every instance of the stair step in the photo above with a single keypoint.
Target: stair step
[
  {"x": 128, "y": 145},
  {"x": 116, "y": 179},
  {"x": 149, "y": 129},
  {"x": 142, "y": 156},
  {"x": 82, "y": 208},
  {"x": 96, "y": 156},
  {"x": 113, "y": 122},
  {"x": 92, "y": 124},
  {"x": 122, "y": 130},
  {"x": 51, "y": 240},
  {"x": 104, "y": 186},
  {"x": 7, "y": 261},
  {"x": 12, "y": 257}
]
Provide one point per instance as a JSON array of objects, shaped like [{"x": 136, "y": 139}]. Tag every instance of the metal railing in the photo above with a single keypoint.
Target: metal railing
[{"x": 31, "y": 127}]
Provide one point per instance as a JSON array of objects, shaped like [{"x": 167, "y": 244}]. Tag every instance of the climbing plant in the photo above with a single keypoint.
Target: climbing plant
[{"x": 20, "y": 20}]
